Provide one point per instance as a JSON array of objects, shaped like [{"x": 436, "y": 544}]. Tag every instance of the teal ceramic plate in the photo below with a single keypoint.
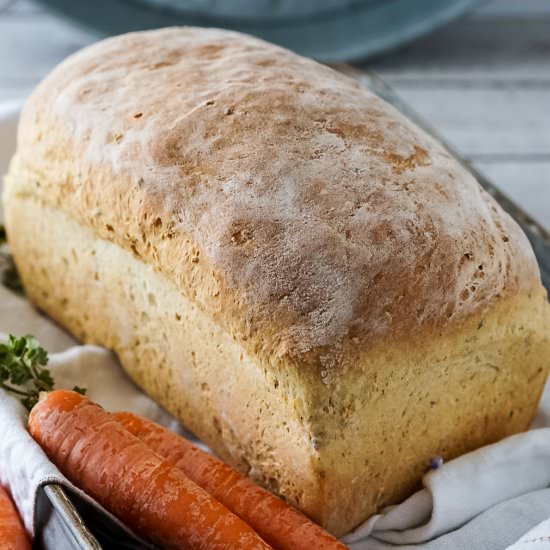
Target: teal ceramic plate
[{"x": 329, "y": 30}]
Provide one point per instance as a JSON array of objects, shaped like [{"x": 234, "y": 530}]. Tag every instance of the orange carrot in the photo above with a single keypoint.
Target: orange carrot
[
  {"x": 278, "y": 523},
  {"x": 137, "y": 485},
  {"x": 12, "y": 533}
]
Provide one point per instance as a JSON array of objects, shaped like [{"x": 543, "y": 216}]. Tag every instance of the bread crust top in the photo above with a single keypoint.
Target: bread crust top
[{"x": 301, "y": 210}]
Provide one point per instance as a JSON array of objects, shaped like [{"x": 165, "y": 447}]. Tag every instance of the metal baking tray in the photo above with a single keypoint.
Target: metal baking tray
[
  {"x": 60, "y": 525},
  {"x": 66, "y": 522},
  {"x": 69, "y": 523}
]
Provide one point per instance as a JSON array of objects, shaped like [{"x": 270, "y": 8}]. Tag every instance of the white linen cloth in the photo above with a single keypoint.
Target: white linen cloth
[
  {"x": 504, "y": 486},
  {"x": 537, "y": 538}
]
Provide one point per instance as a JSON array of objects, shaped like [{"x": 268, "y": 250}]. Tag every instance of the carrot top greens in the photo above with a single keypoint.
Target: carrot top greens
[{"x": 22, "y": 369}]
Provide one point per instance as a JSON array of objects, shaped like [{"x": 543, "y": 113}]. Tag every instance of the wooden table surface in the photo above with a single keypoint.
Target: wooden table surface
[{"x": 483, "y": 82}]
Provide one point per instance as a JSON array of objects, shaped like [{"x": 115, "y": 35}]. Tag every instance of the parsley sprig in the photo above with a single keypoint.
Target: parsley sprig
[{"x": 23, "y": 372}]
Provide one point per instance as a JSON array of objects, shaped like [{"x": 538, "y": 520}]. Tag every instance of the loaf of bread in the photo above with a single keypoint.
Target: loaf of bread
[{"x": 280, "y": 258}]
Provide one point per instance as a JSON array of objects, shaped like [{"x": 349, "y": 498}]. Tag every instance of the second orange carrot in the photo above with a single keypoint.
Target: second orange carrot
[{"x": 278, "y": 523}]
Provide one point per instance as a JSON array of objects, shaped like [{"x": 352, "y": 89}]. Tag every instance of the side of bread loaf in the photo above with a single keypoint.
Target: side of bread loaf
[{"x": 302, "y": 276}]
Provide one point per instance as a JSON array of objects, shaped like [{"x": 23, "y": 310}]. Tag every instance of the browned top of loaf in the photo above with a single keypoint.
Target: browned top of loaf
[{"x": 328, "y": 216}]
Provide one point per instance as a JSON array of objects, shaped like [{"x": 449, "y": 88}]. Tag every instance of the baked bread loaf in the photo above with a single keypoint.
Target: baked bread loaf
[{"x": 303, "y": 277}]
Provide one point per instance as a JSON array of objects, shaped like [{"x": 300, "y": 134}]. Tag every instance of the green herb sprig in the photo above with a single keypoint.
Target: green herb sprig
[{"x": 23, "y": 372}]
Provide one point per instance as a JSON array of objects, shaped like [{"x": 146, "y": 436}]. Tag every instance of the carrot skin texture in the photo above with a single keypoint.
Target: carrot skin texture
[
  {"x": 12, "y": 532},
  {"x": 279, "y": 524},
  {"x": 137, "y": 485}
]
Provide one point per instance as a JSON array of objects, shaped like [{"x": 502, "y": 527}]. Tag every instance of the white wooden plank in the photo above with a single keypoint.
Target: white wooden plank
[
  {"x": 20, "y": 7},
  {"x": 528, "y": 184},
  {"x": 513, "y": 8},
  {"x": 487, "y": 121},
  {"x": 14, "y": 92},
  {"x": 478, "y": 49},
  {"x": 31, "y": 46}
]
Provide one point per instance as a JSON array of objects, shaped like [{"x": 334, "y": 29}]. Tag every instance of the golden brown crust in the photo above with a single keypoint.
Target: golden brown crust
[{"x": 299, "y": 210}]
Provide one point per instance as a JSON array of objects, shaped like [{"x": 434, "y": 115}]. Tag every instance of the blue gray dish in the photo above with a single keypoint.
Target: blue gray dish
[{"x": 329, "y": 30}]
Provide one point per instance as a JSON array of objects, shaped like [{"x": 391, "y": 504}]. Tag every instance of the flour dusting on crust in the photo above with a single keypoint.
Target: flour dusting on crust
[{"x": 325, "y": 213}]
